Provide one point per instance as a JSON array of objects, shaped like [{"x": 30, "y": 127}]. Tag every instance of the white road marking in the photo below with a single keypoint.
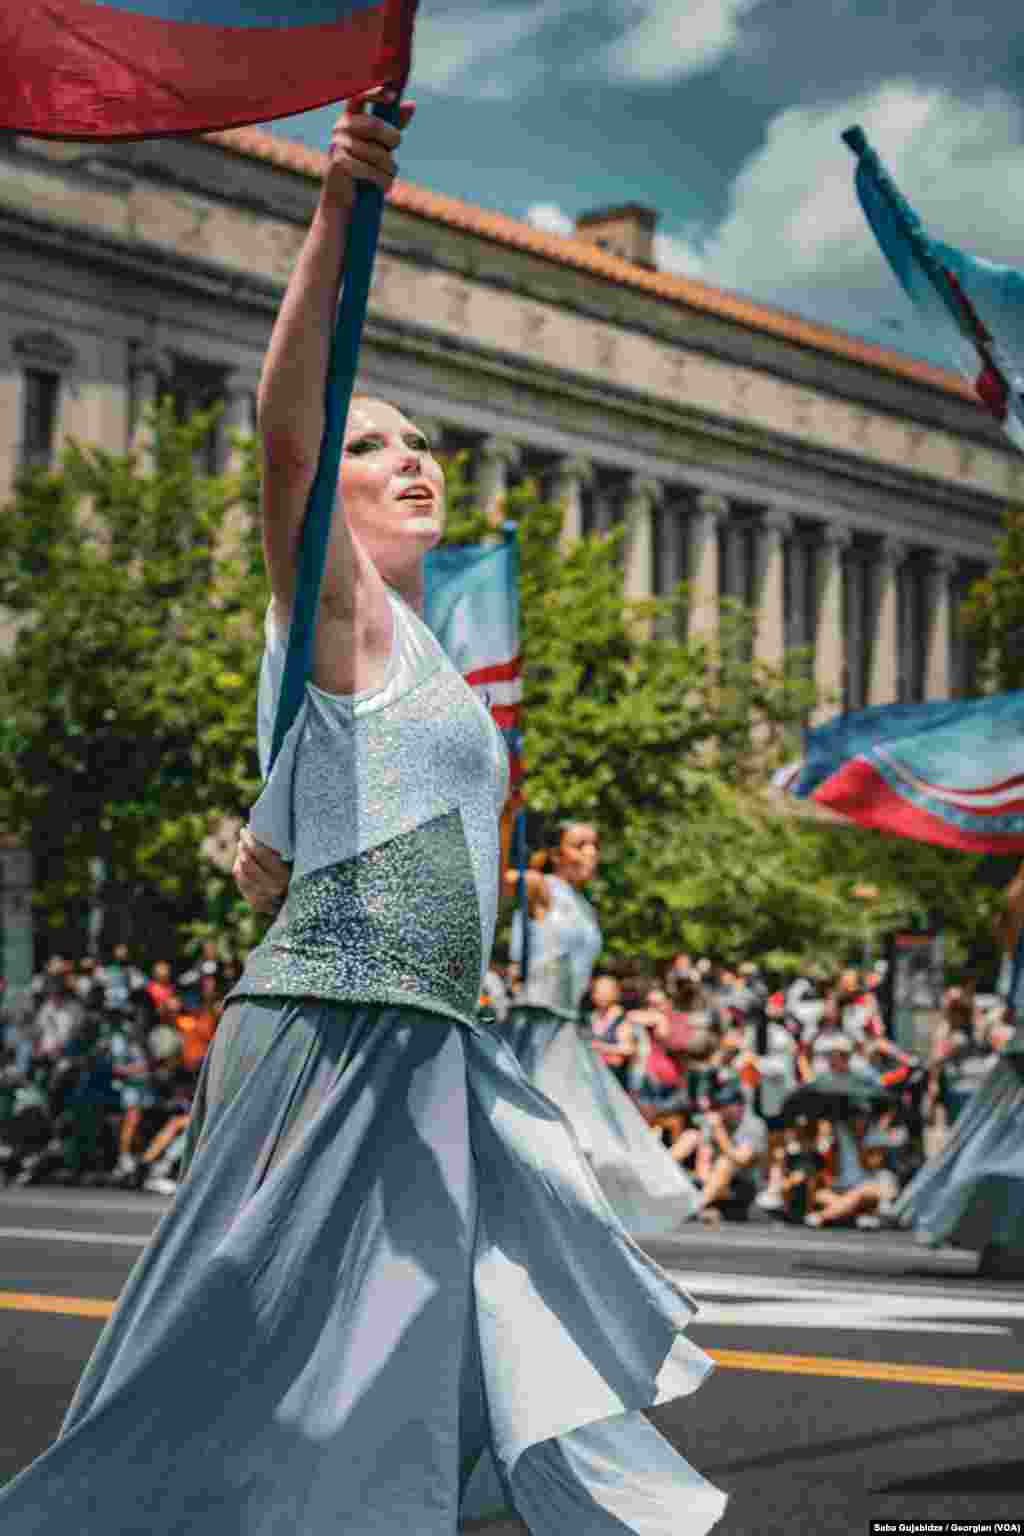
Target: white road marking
[
  {"x": 785, "y": 1304},
  {"x": 65, "y": 1235}
]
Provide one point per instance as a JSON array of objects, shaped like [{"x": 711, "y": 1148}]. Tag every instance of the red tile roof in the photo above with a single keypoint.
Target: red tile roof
[{"x": 258, "y": 144}]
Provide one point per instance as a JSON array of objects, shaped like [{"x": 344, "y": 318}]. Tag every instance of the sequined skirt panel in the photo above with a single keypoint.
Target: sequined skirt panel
[
  {"x": 649, "y": 1191},
  {"x": 971, "y": 1193},
  {"x": 387, "y": 1259}
]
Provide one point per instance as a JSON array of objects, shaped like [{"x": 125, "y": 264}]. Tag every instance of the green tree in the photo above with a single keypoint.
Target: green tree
[
  {"x": 126, "y": 703},
  {"x": 669, "y": 746},
  {"x": 993, "y": 613}
]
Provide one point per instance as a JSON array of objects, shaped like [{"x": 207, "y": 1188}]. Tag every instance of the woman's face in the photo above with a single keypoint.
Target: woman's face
[
  {"x": 392, "y": 487},
  {"x": 606, "y": 992},
  {"x": 578, "y": 854}
]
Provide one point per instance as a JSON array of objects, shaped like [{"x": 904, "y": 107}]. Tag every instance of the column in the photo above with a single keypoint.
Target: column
[
  {"x": 773, "y": 530},
  {"x": 797, "y": 626},
  {"x": 883, "y": 681},
  {"x": 568, "y": 480},
  {"x": 497, "y": 456},
  {"x": 734, "y": 561},
  {"x": 642, "y": 496},
  {"x": 239, "y": 418},
  {"x": 710, "y": 513},
  {"x": 149, "y": 370},
  {"x": 828, "y": 619},
  {"x": 854, "y": 693},
  {"x": 940, "y": 572}
]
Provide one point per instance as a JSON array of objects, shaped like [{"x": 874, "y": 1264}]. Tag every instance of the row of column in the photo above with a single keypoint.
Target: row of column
[{"x": 714, "y": 563}]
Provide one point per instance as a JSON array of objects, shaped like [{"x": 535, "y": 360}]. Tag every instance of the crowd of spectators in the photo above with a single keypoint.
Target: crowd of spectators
[
  {"x": 790, "y": 1104},
  {"x": 98, "y": 1066}
]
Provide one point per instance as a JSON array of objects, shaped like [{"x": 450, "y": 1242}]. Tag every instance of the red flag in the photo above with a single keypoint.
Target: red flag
[{"x": 121, "y": 69}]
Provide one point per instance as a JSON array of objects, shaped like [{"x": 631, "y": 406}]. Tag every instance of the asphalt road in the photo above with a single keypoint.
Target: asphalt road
[{"x": 859, "y": 1376}]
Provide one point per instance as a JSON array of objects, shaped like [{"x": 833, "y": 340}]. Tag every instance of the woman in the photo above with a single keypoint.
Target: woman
[
  {"x": 386, "y": 1253},
  {"x": 649, "y": 1191},
  {"x": 612, "y": 1037}
]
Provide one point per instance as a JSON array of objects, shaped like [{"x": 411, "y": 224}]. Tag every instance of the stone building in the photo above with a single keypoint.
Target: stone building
[{"x": 850, "y": 493}]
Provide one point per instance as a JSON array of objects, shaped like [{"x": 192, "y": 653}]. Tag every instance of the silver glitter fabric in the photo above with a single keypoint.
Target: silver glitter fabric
[
  {"x": 371, "y": 929},
  {"x": 564, "y": 947},
  {"x": 358, "y": 776}
]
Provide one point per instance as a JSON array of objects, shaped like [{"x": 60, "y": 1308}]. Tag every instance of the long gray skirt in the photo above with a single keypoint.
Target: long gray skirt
[
  {"x": 971, "y": 1194},
  {"x": 648, "y": 1190},
  {"x": 387, "y": 1257}
]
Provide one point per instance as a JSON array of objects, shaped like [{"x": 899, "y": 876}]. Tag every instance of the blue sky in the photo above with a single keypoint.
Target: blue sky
[{"x": 725, "y": 115}]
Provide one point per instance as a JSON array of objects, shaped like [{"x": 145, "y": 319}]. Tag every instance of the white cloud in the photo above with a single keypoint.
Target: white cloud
[
  {"x": 550, "y": 218},
  {"x": 669, "y": 39},
  {"x": 456, "y": 50},
  {"x": 681, "y": 254},
  {"x": 794, "y": 218}
]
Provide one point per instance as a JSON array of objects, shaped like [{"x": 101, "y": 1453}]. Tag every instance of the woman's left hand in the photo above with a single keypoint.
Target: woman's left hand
[{"x": 261, "y": 874}]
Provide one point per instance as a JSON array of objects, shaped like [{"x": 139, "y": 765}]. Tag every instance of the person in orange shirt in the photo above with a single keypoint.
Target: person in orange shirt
[{"x": 198, "y": 1027}]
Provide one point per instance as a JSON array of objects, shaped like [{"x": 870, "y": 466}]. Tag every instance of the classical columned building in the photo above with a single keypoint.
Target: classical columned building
[{"x": 849, "y": 493}]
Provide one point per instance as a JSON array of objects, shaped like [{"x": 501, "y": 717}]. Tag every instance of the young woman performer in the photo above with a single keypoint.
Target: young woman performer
[
  {"x": 387, "y": 1253},
  {"x": 649, "y": 1190}
]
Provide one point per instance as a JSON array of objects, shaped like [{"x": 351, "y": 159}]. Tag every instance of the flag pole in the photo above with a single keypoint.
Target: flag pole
[
  {"x": 522, "y": 865},
  {"x": 360, "y": 252}
]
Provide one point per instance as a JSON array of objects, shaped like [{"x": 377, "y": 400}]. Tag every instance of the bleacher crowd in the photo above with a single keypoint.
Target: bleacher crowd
[{"x": 790, "y": 1104}]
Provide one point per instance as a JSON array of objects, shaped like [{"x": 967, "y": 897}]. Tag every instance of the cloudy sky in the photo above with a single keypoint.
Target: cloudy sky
[{"x": 725, "y": 115}]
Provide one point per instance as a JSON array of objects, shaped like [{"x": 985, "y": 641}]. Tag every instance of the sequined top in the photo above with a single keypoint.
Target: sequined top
[
  {"x": 564, "y": 946},
  {"x": 387, "y": 805}
]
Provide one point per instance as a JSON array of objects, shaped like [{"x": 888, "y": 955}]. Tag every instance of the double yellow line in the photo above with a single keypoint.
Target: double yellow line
[{"x": 728, "y": 1359}]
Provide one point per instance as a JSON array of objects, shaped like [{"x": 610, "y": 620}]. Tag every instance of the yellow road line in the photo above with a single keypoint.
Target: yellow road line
[
  {"x": 868, "y": 1370},
  {"x": 66, "y": 1306},
  {"x": 728, "y": 1359}
]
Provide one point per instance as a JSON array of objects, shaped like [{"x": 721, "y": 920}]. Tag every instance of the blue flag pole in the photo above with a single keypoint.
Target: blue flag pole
[
  {"x": 360, "y": 252},
  {"x": 522, "y": 863}
]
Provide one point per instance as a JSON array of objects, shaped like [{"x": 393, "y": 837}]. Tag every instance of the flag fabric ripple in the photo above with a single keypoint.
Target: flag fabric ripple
[
  {"x": 121, "y": 69},
  {"x": 974, "y": 308},
  {"x": 948, "y": 772},
  {"x": 471, "y": 602}
]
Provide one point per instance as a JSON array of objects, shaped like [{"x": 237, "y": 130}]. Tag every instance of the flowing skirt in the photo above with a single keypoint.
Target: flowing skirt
[
  {"x": 971, "y": 1194},
  {"x": 648, "y": 1190},
  {"x": 387, "y": 1257}
]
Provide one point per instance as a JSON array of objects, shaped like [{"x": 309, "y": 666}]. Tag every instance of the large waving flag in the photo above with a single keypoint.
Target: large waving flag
[
  {"x": 118, "y": 69},
  {"x": 949, "y": 772},
  {"x": 471, "y": 602},
  {"x": 973, "y": 307}
]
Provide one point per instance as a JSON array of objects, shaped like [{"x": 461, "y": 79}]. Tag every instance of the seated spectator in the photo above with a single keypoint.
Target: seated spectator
[
  {"x": 803, "y": 1171},
  {"x": 133, "y": 1075},
  {"x": 652, "y": 1073},
  {"x": 738, "y": 1140},
  {"x": 875, "y": 1192},
  {"x": 163, "y": 1154},
  {"x": 612, "y": 1037}
]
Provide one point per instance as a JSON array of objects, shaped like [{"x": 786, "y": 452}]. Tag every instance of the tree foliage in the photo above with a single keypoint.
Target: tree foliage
[
  {"x": 127, "y": 724},
  {"x": 127, "y": 699},
  {"x": 668, "y": 747},
  {"x": 994, "y": 611}
]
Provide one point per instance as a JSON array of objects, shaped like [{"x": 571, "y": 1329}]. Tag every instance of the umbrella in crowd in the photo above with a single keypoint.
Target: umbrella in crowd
[{"x": 835, "y": 1096}]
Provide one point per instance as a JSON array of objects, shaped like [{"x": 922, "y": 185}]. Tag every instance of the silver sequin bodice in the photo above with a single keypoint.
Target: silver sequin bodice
[
  {"x": 564, "y": 947},
  {"x": 387, "y": 804}
]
